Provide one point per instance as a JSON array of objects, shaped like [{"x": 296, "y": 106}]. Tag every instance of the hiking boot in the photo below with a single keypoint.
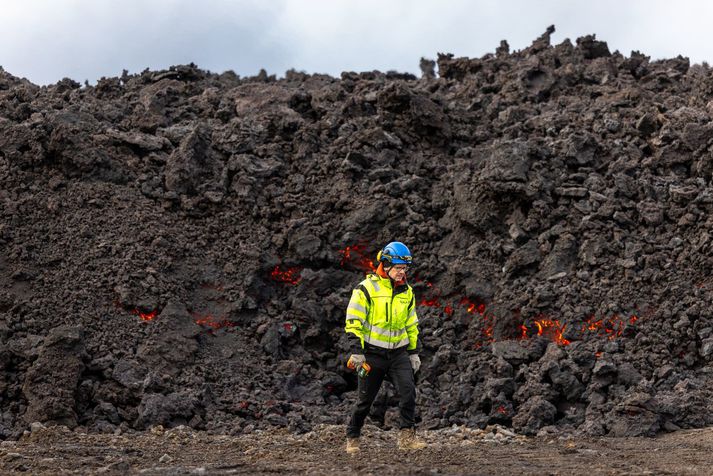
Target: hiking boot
[
  {"x": 409, "y": 441},
  {"x": 352, "y": 445}
]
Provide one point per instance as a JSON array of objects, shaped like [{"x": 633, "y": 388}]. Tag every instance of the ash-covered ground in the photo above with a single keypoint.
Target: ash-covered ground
[
  {"x": 457, "y": 450},
  {"x": 178, "y": 247}
]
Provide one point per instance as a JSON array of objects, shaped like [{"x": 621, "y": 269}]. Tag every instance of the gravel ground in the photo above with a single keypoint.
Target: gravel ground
[{"x": 455, "y": 450}]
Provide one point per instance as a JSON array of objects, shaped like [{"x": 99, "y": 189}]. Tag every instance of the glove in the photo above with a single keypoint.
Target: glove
[
  {"x": 415, "y": 362},
  {"x": 355, "y": 361}
]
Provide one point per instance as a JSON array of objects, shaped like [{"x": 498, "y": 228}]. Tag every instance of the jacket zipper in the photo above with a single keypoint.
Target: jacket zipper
[
  {"x": 388, "y": 318},
  {"x": 392, "y": 306}
]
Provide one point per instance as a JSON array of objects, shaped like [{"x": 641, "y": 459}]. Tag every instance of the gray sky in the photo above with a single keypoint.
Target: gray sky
[{"x": 46, "y": 40}]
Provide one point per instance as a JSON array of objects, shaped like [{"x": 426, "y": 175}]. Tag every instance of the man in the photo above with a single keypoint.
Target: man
[{"x": 383, "y": 327}]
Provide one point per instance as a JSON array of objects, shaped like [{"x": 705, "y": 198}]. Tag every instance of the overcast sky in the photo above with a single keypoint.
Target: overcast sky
[{"x": 46, "y": 40}]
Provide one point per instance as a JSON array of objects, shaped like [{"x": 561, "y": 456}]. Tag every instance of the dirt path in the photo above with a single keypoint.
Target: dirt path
[{"x": 452, "y": 451}]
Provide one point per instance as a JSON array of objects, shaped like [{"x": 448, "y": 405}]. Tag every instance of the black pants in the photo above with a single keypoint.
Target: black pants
[{"x": 397, "y": 365}]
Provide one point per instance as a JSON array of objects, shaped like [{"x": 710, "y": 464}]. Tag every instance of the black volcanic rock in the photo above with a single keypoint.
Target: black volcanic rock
[
  {"x": 179, "y": 247},
  {"x": 51, "y": 382}
]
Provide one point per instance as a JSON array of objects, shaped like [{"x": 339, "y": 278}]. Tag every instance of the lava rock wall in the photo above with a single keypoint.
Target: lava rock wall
[{"x": 179, "y": 247}]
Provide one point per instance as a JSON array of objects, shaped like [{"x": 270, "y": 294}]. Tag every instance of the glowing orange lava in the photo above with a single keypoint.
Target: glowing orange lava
[
  {"x": 433, "y": 302},
  {"x": 552, "y": 329},
  {"x": 488, "y": 332},
  {"x": 212, "y": 322},
  {"x": 472, "y": 306},
  {"x": 145, "y": 316},
  {"x": 288, "y": 275},
  {"x": 357, "y": 256},
  {"x": 611, "y": 327}
]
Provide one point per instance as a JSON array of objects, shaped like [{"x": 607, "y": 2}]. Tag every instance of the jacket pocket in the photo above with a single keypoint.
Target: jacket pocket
[{"x": 400, "y": 311}]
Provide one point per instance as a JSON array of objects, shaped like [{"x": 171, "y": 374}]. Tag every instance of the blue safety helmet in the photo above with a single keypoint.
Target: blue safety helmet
[{"x": 395, "y": 253}]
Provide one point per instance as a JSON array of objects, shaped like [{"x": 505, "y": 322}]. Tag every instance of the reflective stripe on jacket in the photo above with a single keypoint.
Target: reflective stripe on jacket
[{"x": 383, "y": 316}]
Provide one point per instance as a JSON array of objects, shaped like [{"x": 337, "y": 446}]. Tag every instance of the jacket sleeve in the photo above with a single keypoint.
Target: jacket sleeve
[
  {"x": 357, "y": 312},
  {"x": 412, "y": 327}
]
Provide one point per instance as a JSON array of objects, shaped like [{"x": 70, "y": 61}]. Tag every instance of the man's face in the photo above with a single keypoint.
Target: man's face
[{"x": 398, "y": 272}]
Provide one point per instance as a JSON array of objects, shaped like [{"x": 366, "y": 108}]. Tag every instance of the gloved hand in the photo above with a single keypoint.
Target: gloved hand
[
  {"x": 415, "y": 362},
  {"x": 355, "y": 361}
]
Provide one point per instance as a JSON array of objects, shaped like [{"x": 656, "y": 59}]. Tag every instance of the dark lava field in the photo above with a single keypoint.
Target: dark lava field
[{"x": 178, "y": 247}]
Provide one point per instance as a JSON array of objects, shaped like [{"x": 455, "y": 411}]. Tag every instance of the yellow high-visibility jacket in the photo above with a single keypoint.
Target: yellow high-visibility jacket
[{"x": 382, "y": 316}]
